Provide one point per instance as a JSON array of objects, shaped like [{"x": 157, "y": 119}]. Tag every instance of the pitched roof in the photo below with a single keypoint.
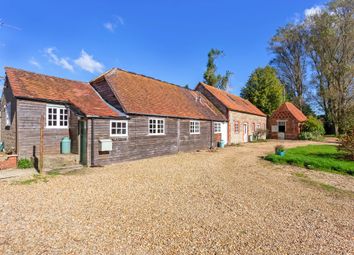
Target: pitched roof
[
  {"x": 35, "y": 86},
  {"x": 232, "y": 102},
  {"x": 290, "y": 107},
  {"x": 139, "y": 94}
]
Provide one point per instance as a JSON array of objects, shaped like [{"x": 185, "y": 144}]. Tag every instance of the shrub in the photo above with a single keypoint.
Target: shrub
[
  {"x": 24, "y": 163},
  {"x": 312, "y": 129},
  {"x": 313, "y": 125},
  {"x": 346, "y": 143},
  {"x": 260, "y": 133}
]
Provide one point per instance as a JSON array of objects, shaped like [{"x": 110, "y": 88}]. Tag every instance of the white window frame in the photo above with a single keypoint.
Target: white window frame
[
  {"x": 194, "y": 127},
  {"x": 237, "y": 127},
  {"x": 156, "y": 128},
  {"x": 58, "y": 108},
  {"x": 258, "y": 127},
  {"x": 217, "y": 127},
  {"x": 8, "y": 114},
  {"x": 118, "y": 121}
]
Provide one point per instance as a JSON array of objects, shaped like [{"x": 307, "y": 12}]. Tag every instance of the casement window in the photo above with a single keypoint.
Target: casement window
[
  {"x": 281, "y": 126},
  {"x": 57, "y": 116},
  {"x": 253, "y": 127},
  {"x": 119, "y": 128},
  {"x": 8, "y": 114},
  {"x": 194, "y": 127},
  {"x": 258, "y": 126},
  {"x": 156, "y": 126},
  {"x": 217, "y": 127},
  {"x": 237, "y": 127}
]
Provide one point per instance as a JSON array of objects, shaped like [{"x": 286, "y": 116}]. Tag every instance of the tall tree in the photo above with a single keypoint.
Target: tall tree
[
  {"x": 330, "y": 46},
  {"x": 289, "y": 60},
  {"x": 264, "y": 89},
  {"x": 210, "y": 75}
]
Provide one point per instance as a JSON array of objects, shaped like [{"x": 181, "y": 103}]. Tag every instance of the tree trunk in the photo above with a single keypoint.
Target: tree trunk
[{"x": 336, "y": 129}]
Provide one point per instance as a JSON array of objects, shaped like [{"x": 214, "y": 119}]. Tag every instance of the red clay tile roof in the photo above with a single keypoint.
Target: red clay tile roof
[
  {"x": 233, "y": 102},
  {"x": 287, "y": 106},
  {"x": 34, "y": 86},
  {"x": 139, "y": 94}
]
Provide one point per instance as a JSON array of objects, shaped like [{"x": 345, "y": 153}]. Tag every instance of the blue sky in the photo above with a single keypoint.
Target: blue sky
[{"x": 168, "y": 40}]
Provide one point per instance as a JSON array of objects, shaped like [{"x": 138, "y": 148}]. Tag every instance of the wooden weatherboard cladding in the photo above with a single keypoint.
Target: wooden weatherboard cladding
[{"x": 139, "y": 144}]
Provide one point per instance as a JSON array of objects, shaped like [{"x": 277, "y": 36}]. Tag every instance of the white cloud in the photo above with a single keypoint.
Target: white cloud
[
  {"x": 35, "y": 63},
  {"x": 315, "y": 10},
  {"x": 114, "y": 23},
  {"x": 63, "y": 62},
  {"x": 87, "y": 63},
  {"x": 109, "y": 26}
]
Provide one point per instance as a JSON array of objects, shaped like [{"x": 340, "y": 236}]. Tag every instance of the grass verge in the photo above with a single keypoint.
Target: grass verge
[
  {"x": 36, "y": 178},
  {"x": 323, "y": 186},
  {"x": 319, "y": 157}
]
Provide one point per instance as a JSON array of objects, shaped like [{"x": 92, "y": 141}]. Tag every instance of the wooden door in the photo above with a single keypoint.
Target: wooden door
[
  {"x": 83, "y": 142},
  {"x": 245, "y": 132}
]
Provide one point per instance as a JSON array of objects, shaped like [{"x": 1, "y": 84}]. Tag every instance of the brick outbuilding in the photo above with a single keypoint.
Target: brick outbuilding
[{"x": 285, "y": 122}]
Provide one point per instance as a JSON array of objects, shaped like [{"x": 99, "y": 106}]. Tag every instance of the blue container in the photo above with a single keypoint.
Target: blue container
[
  {"x": 222, "y": 144},
  {"x": 66, "y": 145},
  {"x": 1, "y": 146},
  {"x": 281, "y": 153}
]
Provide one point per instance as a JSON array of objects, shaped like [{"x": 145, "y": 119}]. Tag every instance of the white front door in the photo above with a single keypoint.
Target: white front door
[
  {"x": 245, "y": 132},
  {"x": 224, "y": 132}
]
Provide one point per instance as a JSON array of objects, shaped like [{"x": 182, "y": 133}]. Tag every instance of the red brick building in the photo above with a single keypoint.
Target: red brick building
[{"x": 285, "y": 122}]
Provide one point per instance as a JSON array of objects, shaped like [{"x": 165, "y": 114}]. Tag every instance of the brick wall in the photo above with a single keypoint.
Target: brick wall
[
  {"x": 292, "y": 126},
  {"x": 10, "y": 162}
]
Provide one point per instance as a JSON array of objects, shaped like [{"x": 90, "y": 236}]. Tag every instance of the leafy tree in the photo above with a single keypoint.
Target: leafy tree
[
  {"x": 210, "y": 76},
  {"x": 329, "y": 43},
  {"x": 264, "y": 90},
  {"x": 288, "y": 47}
]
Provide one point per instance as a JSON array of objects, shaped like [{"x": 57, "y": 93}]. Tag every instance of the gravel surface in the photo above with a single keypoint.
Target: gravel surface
[{"x": 225, "y": 202}]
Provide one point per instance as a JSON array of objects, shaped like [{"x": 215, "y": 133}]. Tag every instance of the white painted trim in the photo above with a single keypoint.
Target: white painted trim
[
  {"x": 217, "y": 132},
  {"x": 156, "y": 119},
  {"x": 118, "y": 135},
  {"x": 194, "y": 121},
  {"x": 58, "y": 107}
]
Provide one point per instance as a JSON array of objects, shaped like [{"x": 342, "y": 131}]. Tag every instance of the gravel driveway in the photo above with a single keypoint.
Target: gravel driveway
[{"x": 225, "y": 202}]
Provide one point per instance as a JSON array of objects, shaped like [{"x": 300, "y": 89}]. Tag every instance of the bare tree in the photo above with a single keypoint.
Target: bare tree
[{"x": 289, "y": 60}]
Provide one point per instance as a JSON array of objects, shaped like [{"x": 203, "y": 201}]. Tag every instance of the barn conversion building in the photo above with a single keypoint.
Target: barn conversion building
[
  {"x": 244, "y": 118},
  {"x": 285, "y": 122},
  {"x": 118, "y": 116}
]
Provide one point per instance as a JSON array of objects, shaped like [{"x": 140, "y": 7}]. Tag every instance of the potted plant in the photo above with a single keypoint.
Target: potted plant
[{"x": 280, "y": 150}]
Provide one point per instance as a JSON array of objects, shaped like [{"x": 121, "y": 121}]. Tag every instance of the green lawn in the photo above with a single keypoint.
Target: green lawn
[{"x": 321, "y": 157}]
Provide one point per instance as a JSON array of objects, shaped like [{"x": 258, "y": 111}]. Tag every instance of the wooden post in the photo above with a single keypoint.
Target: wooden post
[{"x": 41, "y": 145}]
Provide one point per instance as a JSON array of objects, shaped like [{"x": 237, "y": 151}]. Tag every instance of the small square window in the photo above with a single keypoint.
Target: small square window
[
  {"x": 156, "y": 126},
  {"x": 217, "y": 127},
  {"x": 119, "y": 127},
  {"x": 194, "y": 127},
  {"x": 57, "y": 116}
]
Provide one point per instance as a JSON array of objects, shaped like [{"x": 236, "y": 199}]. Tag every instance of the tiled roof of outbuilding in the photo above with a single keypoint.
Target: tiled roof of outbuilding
[
  {"x": 81, "y": 95},
  {"x": 139, "y": 94},
  {"x": 287, "y": 106},
  {"x": 233, "y": 102}
]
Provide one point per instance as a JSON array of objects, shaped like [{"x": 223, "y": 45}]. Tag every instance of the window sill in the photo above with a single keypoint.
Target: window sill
[{"x": 56, "y": 127}]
